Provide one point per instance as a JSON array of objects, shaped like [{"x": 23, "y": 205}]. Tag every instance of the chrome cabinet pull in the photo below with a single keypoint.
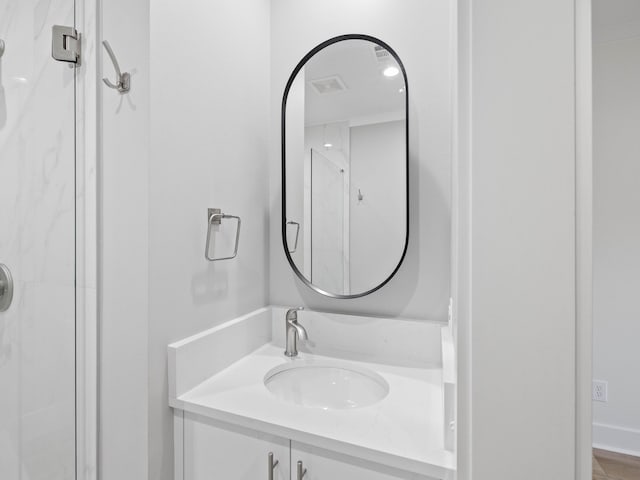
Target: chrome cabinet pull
[
  {"x": 272, "y": 465},
  {"x": 301, "y": 471}
]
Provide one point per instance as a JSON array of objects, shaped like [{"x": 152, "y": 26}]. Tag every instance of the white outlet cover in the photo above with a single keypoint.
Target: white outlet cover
[{"x": 599, "y": 391}]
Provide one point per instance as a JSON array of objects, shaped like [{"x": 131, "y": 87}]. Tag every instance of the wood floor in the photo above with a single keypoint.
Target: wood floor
[{"x": 615, "y": 466}]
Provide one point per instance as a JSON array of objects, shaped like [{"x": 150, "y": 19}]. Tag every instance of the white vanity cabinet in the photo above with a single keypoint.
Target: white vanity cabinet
[
  {"x": 325, "y": 465},
  {"x": 218, "y": 451},
  {"x": 213, "y": 450},
  {"x": 229, "y": 415}
]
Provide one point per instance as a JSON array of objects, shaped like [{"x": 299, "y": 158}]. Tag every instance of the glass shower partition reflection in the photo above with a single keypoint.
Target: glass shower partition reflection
[
  {"x": 37, "y": 244},
  {"x": 329, "y": 262}
]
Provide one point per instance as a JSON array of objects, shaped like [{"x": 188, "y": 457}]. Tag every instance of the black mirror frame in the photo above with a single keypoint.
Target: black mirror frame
[{"x": 295, "y": 72}]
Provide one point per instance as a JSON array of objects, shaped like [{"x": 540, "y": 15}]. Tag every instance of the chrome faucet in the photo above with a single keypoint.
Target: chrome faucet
[{"x": 294, "y": 331}]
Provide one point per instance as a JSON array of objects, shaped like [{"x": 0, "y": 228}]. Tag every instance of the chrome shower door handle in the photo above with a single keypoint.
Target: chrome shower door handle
[
  {"x": 271, "y": 466},
  {"x": 301, "y": 471},
  {"x": 6, "y": 288}
]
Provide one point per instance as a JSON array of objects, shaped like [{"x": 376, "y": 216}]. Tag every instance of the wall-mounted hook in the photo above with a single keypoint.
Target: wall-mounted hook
[
  {"x": 123, "y": 82},
  {"x": 360, "y": 196},
  {"x": 1, "y": 48}
]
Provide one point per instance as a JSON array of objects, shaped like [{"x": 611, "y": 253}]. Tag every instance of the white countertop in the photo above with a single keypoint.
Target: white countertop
[{"x": 404, "y": 430}]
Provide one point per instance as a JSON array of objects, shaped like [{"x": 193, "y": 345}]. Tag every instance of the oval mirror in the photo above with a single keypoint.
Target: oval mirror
[{"x": 345, "y": 166}]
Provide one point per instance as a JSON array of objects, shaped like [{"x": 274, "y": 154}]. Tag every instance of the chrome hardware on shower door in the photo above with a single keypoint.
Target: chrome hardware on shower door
[
  {"x": 65, "y": 44},
  {"x": 6, "y": 288}
]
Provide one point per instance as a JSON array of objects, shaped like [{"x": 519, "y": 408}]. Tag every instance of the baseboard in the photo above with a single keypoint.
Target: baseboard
[{"x": 616, "y": 439}]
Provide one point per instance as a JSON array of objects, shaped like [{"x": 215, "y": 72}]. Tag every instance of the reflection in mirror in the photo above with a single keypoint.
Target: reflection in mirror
[{"x": 345, "y": 189}]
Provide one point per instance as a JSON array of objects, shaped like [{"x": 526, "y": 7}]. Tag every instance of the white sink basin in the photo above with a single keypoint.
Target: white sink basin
[{"x": 326, "y": 386}]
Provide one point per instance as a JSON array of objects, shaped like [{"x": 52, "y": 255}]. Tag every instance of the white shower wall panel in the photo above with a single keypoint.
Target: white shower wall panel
[{"x": 37, "y": 235}]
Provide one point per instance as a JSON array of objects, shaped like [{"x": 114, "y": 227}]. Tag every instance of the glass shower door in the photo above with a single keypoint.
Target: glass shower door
[
  {"x": 327, "y": 234},
  {"x": 37, "y": 245}
]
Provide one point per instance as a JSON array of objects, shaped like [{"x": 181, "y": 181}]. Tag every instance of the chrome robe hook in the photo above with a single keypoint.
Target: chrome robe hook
[
  {"x": 123, "y": 81},
  {"x": 1, "y": 48}
]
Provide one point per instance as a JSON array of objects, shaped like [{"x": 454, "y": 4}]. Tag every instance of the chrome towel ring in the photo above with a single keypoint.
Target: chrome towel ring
[{"x": 215, "y": 218}]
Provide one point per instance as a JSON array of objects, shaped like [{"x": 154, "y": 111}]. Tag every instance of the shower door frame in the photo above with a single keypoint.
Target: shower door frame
[{"x": 87, "y": 142}]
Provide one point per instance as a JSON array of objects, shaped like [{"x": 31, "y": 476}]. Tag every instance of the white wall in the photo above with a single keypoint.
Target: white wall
[
  {"x": 209, "y": 148},
  {"x": 205, "y": 143},
  {"x": 420, "y": 32},
  {"x": 123, "y": 231},
  {"x": 516, "y": 304},
  {"x": 617, "y": 223},
  {"x": 377, "y": 222}
]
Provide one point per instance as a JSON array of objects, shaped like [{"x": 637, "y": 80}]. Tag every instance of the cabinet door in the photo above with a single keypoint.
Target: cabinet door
[
  {"x": 324, "y": 465},
  {"x": 218, "y": 451}
]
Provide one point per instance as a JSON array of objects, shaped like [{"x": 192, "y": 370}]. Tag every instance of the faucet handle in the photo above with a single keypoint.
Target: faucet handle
[{"x": 293, "y": 311}]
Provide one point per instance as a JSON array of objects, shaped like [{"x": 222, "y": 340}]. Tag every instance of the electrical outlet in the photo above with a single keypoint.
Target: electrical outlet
[{"x": 599, "y": 391}]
